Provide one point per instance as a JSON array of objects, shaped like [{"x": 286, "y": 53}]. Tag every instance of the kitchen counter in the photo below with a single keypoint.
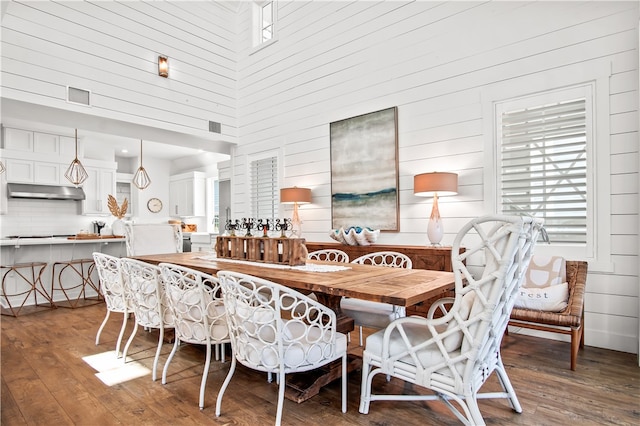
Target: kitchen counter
[
  {"x": 51, "y": 250},
  {"x": 17, "y": 242}
]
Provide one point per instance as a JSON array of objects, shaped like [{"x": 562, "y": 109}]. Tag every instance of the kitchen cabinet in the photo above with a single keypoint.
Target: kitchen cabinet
[
  {"x": 35, "y": 157},
  {"x": 124, "y": 190},
  {"x": 4, "y": 203},
  {"x": 27, "y": 171},
  {"x": 187, "y": 194},
  {"x": 26, "y": 141},
  {"x": 18, "y": 140},
  {"x": 99, "y": 185}
]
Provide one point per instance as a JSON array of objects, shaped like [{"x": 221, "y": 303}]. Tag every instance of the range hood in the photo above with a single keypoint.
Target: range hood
[{"x": 44, "y": 192}]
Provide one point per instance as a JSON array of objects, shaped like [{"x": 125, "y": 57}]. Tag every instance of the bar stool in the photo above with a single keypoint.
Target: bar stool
[
  {"x": 72, "y": 275},
  {"x": 31, "y": 273}
]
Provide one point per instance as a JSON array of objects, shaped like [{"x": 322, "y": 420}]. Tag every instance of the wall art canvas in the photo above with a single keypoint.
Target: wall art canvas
[{"x": 364, "y": 171}]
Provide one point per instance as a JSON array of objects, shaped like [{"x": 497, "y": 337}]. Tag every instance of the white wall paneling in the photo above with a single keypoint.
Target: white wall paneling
[
  {"x": 49, "y": 45},
  {"x": 334, "y": 60}
]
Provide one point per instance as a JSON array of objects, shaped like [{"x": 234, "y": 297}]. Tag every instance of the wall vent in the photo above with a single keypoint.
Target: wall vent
[
  {"x": 78, "y": 96},
  {"x": 214, "y": 127}
]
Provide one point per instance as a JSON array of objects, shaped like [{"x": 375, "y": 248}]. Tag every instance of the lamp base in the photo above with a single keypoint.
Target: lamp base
[
  {"x": 296, "y": 223},
  {"x": 435, "y": 230}
]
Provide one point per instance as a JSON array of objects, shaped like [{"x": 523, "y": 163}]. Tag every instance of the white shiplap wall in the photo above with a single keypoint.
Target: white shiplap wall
[
  {"x": 111, "y": 49},
  {"x": 334, "y": 60},
  {"x": 434, "y": 61}
]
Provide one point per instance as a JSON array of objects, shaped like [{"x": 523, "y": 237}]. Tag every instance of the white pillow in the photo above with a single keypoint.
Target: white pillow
[{"x": 550, "y": 299}]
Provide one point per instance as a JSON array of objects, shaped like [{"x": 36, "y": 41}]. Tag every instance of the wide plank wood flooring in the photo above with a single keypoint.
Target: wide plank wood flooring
[{"x": 46, "y": 382}]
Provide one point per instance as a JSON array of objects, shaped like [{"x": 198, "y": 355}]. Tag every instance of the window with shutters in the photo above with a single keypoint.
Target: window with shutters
[
  {"x": 544, "y": 164},
  {"x": 265, "y": 195},
  {"x": 547, "y": 154}
]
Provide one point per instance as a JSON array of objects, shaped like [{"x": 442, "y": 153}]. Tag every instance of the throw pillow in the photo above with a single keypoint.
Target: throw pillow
[{"x": 550, "y": 299}]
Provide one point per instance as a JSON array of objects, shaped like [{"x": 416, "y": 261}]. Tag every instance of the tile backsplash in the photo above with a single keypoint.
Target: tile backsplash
[{"x": 46, "y": 217}]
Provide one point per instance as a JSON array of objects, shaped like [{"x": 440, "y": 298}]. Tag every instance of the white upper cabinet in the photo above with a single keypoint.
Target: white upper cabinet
[
  {"x": 18, "y": 140},
  {"x": 99, "y": 185},
  {"x": 187, "y": 195},
  {"x": 45, "y": 143},
  {"x": 35, "y": 157}
]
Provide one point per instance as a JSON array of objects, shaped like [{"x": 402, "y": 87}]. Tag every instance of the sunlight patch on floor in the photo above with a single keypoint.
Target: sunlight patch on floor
[{"x": 112, "y": 370}]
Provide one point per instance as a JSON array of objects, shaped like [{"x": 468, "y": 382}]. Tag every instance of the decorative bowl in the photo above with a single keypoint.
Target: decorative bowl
[{"x": 355, "y": 236}]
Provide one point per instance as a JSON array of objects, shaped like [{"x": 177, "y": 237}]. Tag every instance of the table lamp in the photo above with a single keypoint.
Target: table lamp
[
  {"x": 432, "y": 184},
  {"x": 295, "y": 196}
]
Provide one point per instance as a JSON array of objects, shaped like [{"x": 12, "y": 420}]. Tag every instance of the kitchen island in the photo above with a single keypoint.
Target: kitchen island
[{"x": 21, "y": 250}]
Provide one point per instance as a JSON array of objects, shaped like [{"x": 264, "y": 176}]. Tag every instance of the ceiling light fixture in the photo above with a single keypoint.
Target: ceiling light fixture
[
  {"x": 141, "y": 179},
  {"x": 76, "y": 174}
]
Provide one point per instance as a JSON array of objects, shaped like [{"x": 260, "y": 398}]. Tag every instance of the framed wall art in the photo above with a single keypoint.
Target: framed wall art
[{"x": 364, "y": 171}]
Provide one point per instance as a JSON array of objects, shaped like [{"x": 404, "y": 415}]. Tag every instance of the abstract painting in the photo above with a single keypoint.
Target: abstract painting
[{"x": 364, "y": 171}]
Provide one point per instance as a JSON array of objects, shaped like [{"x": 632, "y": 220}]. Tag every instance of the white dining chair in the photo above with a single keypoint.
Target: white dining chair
[
  {"x": 329, "y": 255},
  {"x": 198, "y": 314},
  {"x": 278, "y": 330},
  {"x": 148, "y": 301},
  {"x": 370, "y": 314},
  {"x": 114, "y": 292},
  {"x": 454, "y": 352}
]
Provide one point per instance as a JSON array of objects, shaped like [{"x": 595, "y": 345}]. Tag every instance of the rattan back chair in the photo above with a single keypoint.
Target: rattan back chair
[{"x": 454, "y": 350}]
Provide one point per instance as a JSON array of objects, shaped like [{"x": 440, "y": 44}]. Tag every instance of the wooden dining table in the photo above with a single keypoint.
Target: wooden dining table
[{"x": 330, "y": 283}]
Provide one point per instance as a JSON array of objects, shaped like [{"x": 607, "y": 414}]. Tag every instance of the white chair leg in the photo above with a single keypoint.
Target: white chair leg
[
  {"x": 126, "y": 347},
  {"x": 104, "y": 322},
  {"x": 205, "y": 373},
  {"x": 168, "y": 361},
  {"x": 360, "y": 327},
  {"x": 344, "y": 383},
  {"x": 508, "y": 388},
  {"x": 224, "y": 385},
  {"x": 281, "y": 379},
  {"x": 365, "y": 388},
  {"x": 157, "y": 357},
  {"x": 125, "y": 316}
]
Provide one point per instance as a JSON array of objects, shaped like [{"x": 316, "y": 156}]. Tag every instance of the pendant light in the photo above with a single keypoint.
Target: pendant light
[
  {"x": 141, "y": 178},
  {"x": 76, "y": 174}
]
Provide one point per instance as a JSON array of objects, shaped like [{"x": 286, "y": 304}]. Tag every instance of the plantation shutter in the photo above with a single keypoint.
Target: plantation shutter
[
  {"x": 544, "y": 167},
  {"x": 265, "y": 197}
]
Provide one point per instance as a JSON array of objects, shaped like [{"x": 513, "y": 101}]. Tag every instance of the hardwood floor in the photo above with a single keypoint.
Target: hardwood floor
[{"x": 45, "y": 381}]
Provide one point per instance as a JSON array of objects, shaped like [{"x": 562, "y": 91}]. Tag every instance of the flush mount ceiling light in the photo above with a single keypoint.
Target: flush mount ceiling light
[
  {"x": 76, "y": 174},
  {"x": 163, "y": 66},
  {"x": 141, "y": 178}
]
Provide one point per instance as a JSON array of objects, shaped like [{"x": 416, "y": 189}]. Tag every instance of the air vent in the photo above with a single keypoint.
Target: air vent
[
  {"x": 78, "y": 96},
  {"x": 214, "y": 127}
]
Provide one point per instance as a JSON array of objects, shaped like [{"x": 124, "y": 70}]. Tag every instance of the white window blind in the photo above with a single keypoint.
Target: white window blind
[
  {"x": 265, "y": 197},
  {"x": 543, "y": 157}
]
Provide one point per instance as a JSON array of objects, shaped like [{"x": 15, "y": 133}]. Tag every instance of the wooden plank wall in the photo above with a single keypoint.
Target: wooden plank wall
[
  {"x": 111, "y": 49},
  {"x": 435, "y": 61},
  {"x": 334, "y": 60}
]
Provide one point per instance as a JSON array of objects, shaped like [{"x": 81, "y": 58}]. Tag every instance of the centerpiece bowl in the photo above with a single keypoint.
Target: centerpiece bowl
[{"x": 355, "y": 235}]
